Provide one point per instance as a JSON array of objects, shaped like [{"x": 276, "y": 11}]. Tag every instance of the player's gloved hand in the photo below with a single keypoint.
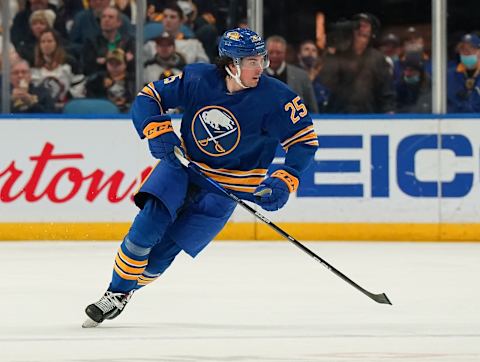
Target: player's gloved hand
[
  {"x": 274, "y": 191},
  {"x": 162, "y": 139}
]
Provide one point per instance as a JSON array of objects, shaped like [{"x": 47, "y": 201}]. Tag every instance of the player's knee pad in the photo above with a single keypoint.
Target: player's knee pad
[{"x": 148, "y": 227}]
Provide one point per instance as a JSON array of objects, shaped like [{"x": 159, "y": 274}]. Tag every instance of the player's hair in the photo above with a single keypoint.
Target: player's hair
[{"x": 221, "y": 63}]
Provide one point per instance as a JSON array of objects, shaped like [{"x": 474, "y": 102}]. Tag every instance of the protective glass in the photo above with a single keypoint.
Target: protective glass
[{"x": 255, "y": 62}]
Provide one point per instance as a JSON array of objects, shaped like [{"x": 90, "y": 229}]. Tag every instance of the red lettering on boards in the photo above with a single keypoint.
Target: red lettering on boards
[{"x": 72, "y": 179}]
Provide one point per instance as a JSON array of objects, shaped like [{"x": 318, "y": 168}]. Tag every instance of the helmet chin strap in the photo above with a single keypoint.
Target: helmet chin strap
[{"x": 236, "y": 77}]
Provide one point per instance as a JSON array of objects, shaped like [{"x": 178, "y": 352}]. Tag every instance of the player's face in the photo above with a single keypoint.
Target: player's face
[{"x": 251, "y": 70}]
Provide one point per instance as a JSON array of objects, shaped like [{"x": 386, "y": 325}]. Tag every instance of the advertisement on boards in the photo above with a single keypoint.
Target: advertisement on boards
[{"x": 366, "y": 173}]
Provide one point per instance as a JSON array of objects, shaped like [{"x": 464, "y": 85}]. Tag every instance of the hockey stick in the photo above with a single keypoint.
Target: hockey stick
[{"x": 379, "y": 298}]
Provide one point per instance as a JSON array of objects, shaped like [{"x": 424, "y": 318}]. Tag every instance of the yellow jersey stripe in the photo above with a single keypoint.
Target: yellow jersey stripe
[
  {"x": 147, "y": 91},
  {"x": 235, "y": 180},
  {"x": 300, "y": 133},
  {"x": 308, "y": 137},
  {"x": 313, "y": 143},
  {"x": 259, "y": 172},
  {"x": 150, "y": 92},
  {"x": 155, "y": 93}
]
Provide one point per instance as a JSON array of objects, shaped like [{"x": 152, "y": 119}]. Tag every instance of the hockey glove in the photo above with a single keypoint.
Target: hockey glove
[
  {"x": 162, "y": 139},
  {"x": 274, "y": 191}
]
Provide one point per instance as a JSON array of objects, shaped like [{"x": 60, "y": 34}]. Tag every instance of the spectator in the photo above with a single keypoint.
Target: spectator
[
  {"x": 21, "y": 33},
  {"x": 189, "y": 11},
  {"x": 203, "y": 27},
  {"x": 463, "y": 81},
  {"x": 40, "y": 20},
  {"x": 390, "y": 47},
  {"x": 27, "y": 98},
  {"x": 173, "y": 21},
  {"x": 67, "y": 11},
  {"x": 110, "y": 38},
  {"x": 357, "y": 75},
  {"x": 190, "y": 48},
  {"x": 86, "y": 24},
  {"x": 413, "y": 42},
  {"x": 414, "y": 89},
  {"x": 166, "y": 62},
  {"x": 308, "y": 57},
  {"x": 127, "y": 8},
  {"x": 52, "y": 70},
  {"x": 295, "y": 77},
  {"x": 115, "y": 83},
  {"x": 154, "y": 11}
]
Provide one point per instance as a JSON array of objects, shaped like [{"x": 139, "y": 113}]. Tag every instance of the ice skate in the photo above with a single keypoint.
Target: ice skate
[{"x": 109, "y": 306}]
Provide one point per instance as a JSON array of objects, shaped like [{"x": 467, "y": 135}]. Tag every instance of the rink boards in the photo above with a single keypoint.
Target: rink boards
[{"x": 372, "y": 179}]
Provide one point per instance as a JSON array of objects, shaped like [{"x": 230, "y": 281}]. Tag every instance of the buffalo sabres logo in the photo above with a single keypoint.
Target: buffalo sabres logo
[
  {"x": 233, "y": 35},
  {"x": 215, "y": 130}
]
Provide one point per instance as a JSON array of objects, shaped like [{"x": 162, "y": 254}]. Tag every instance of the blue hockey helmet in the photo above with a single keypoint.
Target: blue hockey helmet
[{"x": 240, "y": 43}]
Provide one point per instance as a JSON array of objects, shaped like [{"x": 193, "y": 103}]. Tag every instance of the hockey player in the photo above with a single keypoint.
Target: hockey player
[{"x": 234, "y": 119}]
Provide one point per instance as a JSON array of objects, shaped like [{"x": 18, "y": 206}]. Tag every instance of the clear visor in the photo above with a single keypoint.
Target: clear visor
[{"x": 256, "y": 62}]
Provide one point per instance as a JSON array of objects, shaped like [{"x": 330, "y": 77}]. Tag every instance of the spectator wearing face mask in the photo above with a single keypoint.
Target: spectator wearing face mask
[
  {"x": 413, "y": 42},
  {"x": 414, "y": 88},
  {"x": 463, "y": 81},
  {"x": 308, "y": 57}
]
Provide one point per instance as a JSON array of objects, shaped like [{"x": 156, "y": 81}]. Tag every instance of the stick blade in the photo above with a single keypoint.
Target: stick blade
[{"x": 381, "y": 298}]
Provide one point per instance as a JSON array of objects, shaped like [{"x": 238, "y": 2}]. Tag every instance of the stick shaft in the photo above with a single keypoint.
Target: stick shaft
[{"x": 379, "y": 298}]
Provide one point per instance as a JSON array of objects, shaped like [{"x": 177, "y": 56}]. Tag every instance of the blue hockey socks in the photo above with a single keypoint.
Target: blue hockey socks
[{"x": 132, "y": 257}]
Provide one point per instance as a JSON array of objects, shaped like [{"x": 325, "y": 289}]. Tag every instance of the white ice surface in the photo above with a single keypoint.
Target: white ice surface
[{"x": 241, "y": 301}]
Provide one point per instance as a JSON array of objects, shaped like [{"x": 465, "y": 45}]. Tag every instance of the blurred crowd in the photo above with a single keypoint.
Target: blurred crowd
[{"x": 66, "y": 50}]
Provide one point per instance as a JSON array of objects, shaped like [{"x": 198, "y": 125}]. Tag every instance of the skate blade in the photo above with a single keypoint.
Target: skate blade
[{"x": 90, "y": 323}]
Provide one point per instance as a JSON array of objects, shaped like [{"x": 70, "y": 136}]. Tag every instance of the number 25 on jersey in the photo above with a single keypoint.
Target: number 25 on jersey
[{"x": 297, "y": 110}]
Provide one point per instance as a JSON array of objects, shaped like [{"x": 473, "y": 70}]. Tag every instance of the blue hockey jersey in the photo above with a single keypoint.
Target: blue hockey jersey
[{"x": 232, "y": 137}]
